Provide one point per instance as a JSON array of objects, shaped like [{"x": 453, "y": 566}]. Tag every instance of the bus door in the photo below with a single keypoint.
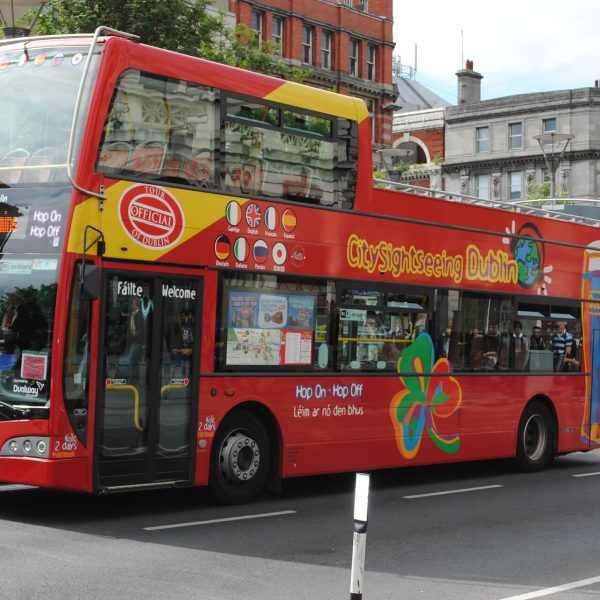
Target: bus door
[{"x": 146, "y": 414}]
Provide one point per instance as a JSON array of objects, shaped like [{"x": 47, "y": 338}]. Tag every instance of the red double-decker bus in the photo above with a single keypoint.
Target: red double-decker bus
[{"x": 200, "y": 286}]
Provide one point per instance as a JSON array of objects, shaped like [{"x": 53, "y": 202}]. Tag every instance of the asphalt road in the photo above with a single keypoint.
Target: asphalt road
[{"x": 476, "y": 531}]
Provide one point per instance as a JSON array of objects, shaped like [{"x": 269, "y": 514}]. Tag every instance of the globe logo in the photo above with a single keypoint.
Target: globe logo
[{"x": 527, "y": 256}]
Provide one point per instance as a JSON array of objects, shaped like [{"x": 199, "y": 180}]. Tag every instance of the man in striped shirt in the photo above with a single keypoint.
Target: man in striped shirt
[{"x": 561, "y": 339}]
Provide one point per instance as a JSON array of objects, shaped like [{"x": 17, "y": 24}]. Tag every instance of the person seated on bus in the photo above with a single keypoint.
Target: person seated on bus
[
  {"x": 560, "y": 340},
  {"x": 491, "y": 346},
  {"x": 519, "y": 348},
  {"x": 571, "y": 361},
  {"x": 476, "y": 350},
  {"x": 537, "y": 342},
  {"x": 442, "y": 341},
  {"x": 374, "y": 325}
]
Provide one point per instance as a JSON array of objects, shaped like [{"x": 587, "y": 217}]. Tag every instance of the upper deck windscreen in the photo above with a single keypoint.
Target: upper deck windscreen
[{"x": 38, "y": 92}]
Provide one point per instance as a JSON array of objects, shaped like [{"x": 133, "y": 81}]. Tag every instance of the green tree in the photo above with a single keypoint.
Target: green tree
[
  {"x": 242, "y": 48},
  {"x": 537, "y": 191},
  {"x": 178, "y": 25}
]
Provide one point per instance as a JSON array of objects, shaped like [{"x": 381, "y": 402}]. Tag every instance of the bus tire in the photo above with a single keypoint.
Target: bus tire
[
  {"x": 535, "y": 438},
  {"x": 240, "y": 459}
]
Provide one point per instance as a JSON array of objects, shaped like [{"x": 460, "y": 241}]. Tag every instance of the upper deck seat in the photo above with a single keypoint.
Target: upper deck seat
[{"x": 15, "y": 158}]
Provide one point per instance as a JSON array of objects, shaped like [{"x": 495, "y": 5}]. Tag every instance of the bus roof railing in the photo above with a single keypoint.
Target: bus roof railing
[
  {"x": 551, "y": 208},
  {"x": 8, "y": 41}
]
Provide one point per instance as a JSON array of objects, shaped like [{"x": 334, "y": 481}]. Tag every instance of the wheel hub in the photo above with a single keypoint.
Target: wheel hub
[
  {"x": 240, "y": 458},
  {"x": 535, "y": 436}
]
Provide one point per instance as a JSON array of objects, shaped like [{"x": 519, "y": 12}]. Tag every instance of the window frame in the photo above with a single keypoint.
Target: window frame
[
  {"x": 482, "y": 143},
  {"x": 480, "y": 177},
  {"x": 278, "y": 36},
  {"x": 353, "y": 57},
  {"x": 515, "y": 141},
  {"x": 371, "y": 62},
  {"x": 257, "y": 23},
  {"x": 327, "y": 49},
  {"x": 307, "y": 44},
  {"x": 512, "y": 191},
  {"x": 547, "y": 122}
]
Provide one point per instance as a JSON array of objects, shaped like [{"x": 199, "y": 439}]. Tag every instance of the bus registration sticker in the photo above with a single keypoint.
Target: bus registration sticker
[{"x": 151, "y": 216}]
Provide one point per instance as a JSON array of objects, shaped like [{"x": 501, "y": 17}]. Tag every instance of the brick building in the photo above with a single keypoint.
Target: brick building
[{"x": 346, "y": 44}]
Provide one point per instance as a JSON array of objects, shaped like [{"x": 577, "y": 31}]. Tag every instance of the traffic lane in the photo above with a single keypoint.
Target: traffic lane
[{"x": 477, "y": 530}]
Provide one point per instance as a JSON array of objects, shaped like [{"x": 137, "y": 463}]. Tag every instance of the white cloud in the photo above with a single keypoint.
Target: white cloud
[{"x": 518, "y": 46}]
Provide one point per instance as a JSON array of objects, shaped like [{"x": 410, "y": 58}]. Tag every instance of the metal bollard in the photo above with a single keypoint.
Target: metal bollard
[{"x": 359, "y": 545}]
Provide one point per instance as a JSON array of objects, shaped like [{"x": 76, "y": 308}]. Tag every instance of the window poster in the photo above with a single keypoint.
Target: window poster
[
  {"x": 34, "y": 365},
  {"x": 269, "y": 329}
]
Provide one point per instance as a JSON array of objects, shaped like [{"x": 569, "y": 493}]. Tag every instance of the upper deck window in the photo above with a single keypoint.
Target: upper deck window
[
  {"x": 178, "y": 132},
  {"x": 39, "y": 88}
]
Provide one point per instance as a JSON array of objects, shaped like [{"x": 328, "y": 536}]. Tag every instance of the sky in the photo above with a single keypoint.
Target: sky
[{"x": 518, "y": 46}]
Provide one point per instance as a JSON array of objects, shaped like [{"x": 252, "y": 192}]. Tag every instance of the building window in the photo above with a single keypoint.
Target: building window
[
  {"x": 371, "y": 61},
  {"x": 277, "y": 34},
  {"x": 256, "y": 23},
  {"x": 371, "y": 108},
  {"x": 307, "y": 42},
  {"x": 363, "y": 5},
  {"x": 326, "y": 44},
  {"x": 515, "y": 184},
  {"x": 353, "y": 57},
  {"x": 549, "y": 125},
  {"x": 515, "y": 136},
  {"x": 482, "y": 187},
  {"x": 346, "y": 3},
  {"x": 482, "y": 139}
]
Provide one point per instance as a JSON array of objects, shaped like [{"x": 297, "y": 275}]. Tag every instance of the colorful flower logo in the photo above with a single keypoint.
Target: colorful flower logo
[{"x": 431, "y": 394}]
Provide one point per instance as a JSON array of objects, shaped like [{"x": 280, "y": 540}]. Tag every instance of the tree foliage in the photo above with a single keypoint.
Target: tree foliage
[{"x": 180, "y": 25}]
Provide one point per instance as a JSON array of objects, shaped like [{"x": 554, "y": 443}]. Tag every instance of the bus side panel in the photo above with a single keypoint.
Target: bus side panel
[{"x": 333, "y": 424}]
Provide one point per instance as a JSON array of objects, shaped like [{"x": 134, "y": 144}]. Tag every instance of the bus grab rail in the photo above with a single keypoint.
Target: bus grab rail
[
  {"x": 519, "y": 206},
  {"x": 99, "y": 31}
]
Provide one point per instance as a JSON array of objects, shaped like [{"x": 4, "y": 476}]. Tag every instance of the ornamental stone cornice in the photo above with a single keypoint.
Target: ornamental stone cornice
[{"x": 514, "y": 161}]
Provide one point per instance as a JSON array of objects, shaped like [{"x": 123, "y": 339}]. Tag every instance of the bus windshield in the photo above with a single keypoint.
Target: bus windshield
[
  {"x": 38, "y": 92},
  {"x": 27, "y": 300}
]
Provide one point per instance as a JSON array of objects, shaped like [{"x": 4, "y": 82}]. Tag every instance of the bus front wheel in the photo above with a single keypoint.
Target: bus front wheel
[
  {"x": 535, "y": 441},
  {"x": 240, "y": 459}
]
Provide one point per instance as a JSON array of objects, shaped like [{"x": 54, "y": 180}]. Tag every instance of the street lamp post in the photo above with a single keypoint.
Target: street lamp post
[
  {"x": 13, "y": 10},
  {"x": 553, "y": 147}
]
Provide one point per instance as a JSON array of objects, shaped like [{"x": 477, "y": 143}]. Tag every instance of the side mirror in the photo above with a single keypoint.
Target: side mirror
[{"x": 90, "y": 282}]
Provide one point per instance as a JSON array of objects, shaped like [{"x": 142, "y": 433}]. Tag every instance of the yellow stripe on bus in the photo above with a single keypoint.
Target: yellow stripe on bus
[
  {"x": 120, "y": 245},
  {"x": 320, "y": 101}
]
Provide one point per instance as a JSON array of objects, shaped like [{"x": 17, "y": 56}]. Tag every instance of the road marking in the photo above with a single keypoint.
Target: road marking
[
  {"x": 211, "y": 521},
  {"x": 461, "y": 491},
  {"x": 587, "y": 474},
  {"x": 15, "y": 487},
  {"x": 555, "y": 590}
]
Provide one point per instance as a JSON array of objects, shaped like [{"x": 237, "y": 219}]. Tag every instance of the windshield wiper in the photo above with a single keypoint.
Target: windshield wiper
[{"x": 14, "y": 411}]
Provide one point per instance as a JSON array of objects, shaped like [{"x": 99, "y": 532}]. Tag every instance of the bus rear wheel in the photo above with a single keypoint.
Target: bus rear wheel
[
  {"x": 240, "y": 459},
  {"x": 535, "y": 438}
]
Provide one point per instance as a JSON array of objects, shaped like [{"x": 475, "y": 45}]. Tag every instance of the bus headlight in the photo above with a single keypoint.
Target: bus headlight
[{"x": 27, "y": 446}]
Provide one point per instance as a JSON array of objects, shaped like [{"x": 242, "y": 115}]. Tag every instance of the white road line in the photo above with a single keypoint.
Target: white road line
[
  {"x": 211, "y": 521},
  {"x": 15, "y": 487},
  {"x": 556, "y": 590},
  {"x": 462, "y": 491},
  {"x": 587, "y": 474}
]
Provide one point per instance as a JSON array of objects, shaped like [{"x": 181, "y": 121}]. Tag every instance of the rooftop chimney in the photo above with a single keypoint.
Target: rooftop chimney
[{"x": 469, "y": 84}]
